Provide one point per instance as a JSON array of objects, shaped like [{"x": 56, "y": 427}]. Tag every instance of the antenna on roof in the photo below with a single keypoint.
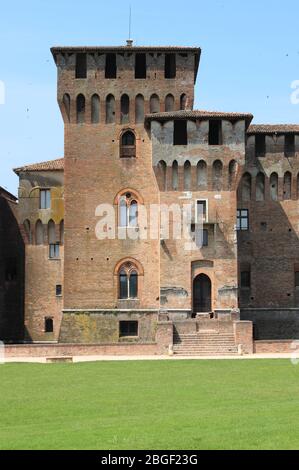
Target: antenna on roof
[{"x": 130, "y": 41}]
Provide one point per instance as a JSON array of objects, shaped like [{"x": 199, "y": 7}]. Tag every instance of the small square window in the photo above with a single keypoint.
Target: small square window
[
  {"x": 54, "y": 251},
  {"x": 58, "y": 290},
  {"x": 45, "y": 199},
  {"x": 128, "y": 329},
  {"x": 49, "y": 325}
]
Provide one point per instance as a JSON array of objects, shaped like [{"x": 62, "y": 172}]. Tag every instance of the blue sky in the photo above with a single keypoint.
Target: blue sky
[{"x": 250, "y": 57}]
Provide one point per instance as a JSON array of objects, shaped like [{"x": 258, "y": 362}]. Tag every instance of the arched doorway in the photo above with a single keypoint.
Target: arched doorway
[{"x": 202, "y": 294}]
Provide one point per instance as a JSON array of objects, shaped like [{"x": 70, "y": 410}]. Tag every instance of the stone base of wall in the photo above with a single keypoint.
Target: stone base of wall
[
  {"x": 60, "y": 350},
  {"x": 92, "y": 327},
  {"x": 274, "y": 347}
]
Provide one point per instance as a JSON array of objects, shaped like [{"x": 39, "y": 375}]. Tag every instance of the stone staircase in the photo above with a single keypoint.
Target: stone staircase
[{"x": 205, "y": 344}]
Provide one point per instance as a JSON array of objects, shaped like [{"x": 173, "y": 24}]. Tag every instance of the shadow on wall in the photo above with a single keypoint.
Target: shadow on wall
[
  {"x": 12, "y": 255},
  {"x": 268, "y": 253}
]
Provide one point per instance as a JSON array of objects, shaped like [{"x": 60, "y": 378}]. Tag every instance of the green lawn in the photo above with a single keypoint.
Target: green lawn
[{"x": 177, "y": 405}]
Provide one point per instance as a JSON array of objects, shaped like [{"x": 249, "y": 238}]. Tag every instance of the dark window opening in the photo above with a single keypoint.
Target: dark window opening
[
  {"x": 11, "y": 270},
  {"x": 124, "y": 109},
  {"x": 128, "y": 145},
  {"x": 80, "y": 109},
  {"x": 297, "y": 279},
  {"x": 245, "y": 279},
  {"x": 170, "y": 65},
  {"x": 205, "y": 238},
  {"x": 140, "y": 66},
  {"x": 111, "y": 68},
  {"x": 49, "y": 325},
  {"x": 58, "y": 290},
  {"x": 289, "y": 145},
  {"x": 215, "y": 133},
  {"x": 81, "y": 66},
  {"x": 128, "y": 328},
  {"x": 180, "y": 133},
  {"x": 242, "y": 219},
  {"x": 260, "y": 146}
]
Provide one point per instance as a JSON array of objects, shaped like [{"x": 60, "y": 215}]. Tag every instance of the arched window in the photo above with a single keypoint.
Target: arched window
[
  {"x": 128, "y": 145},
  {"x": 61, "y": 231},
  {"x": 260, "y": 187},
  {"x": 154, "y": 104},
  {"x": 175, "y": 176},
  {"x": 27, "y": 229},
  {"x": 67, "y": 105},
  {"x": 169, "y": 103},
  {"x": 124, "y": 109},
  {"x": 183, "y": 102},
  {"x": 202, "y": 179},
  {"x": 110, "y": 109},
  {"x": 80, "y": 109},
  {"x": 274, "y": 186},
  {"x": 217, "y": 175},
  {"x": 95, "y": 109},
  {"x": 187, "y": 176},
  {"x": 232, "y": 173},
  {"x": 128, "y": 282},
  {"x": 246, "y": 187},
  {"x": 51, "y": 232},
  {"x": 162, "y": 173},
  {"x": 128, "y": 211},
  {"x": 39, "y": 233},
  {"x": 139, "y": 109},
  {"x": 287, "y": 186}
]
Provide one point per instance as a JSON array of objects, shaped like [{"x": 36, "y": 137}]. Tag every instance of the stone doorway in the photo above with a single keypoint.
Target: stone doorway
[{"x": 202, "y": 294}]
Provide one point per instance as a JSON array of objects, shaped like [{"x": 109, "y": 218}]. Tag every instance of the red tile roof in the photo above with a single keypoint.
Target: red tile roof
[
  {"x": 273, "y": 129},
  {"x": 198, "y": 114},
  {"x": 51, "y": 165}
]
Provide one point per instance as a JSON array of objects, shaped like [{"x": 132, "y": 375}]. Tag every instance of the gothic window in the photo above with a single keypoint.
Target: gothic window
[
  {"x": 128, "y": 211},
  {"x": 128, "y": 281}
]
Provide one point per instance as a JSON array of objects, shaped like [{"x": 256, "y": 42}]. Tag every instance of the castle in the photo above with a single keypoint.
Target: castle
[{"x": 133, "y": 142}]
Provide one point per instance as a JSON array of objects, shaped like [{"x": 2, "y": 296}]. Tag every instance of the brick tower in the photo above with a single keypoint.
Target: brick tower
[{"x": 104, "y": 94}]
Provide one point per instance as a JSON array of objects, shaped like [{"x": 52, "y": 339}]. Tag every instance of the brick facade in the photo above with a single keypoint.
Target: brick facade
[{"x": 178, "y": 156}]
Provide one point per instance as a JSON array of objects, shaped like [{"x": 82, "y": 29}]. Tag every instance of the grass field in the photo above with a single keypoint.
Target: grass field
[{"x": 177, "y": 405}]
